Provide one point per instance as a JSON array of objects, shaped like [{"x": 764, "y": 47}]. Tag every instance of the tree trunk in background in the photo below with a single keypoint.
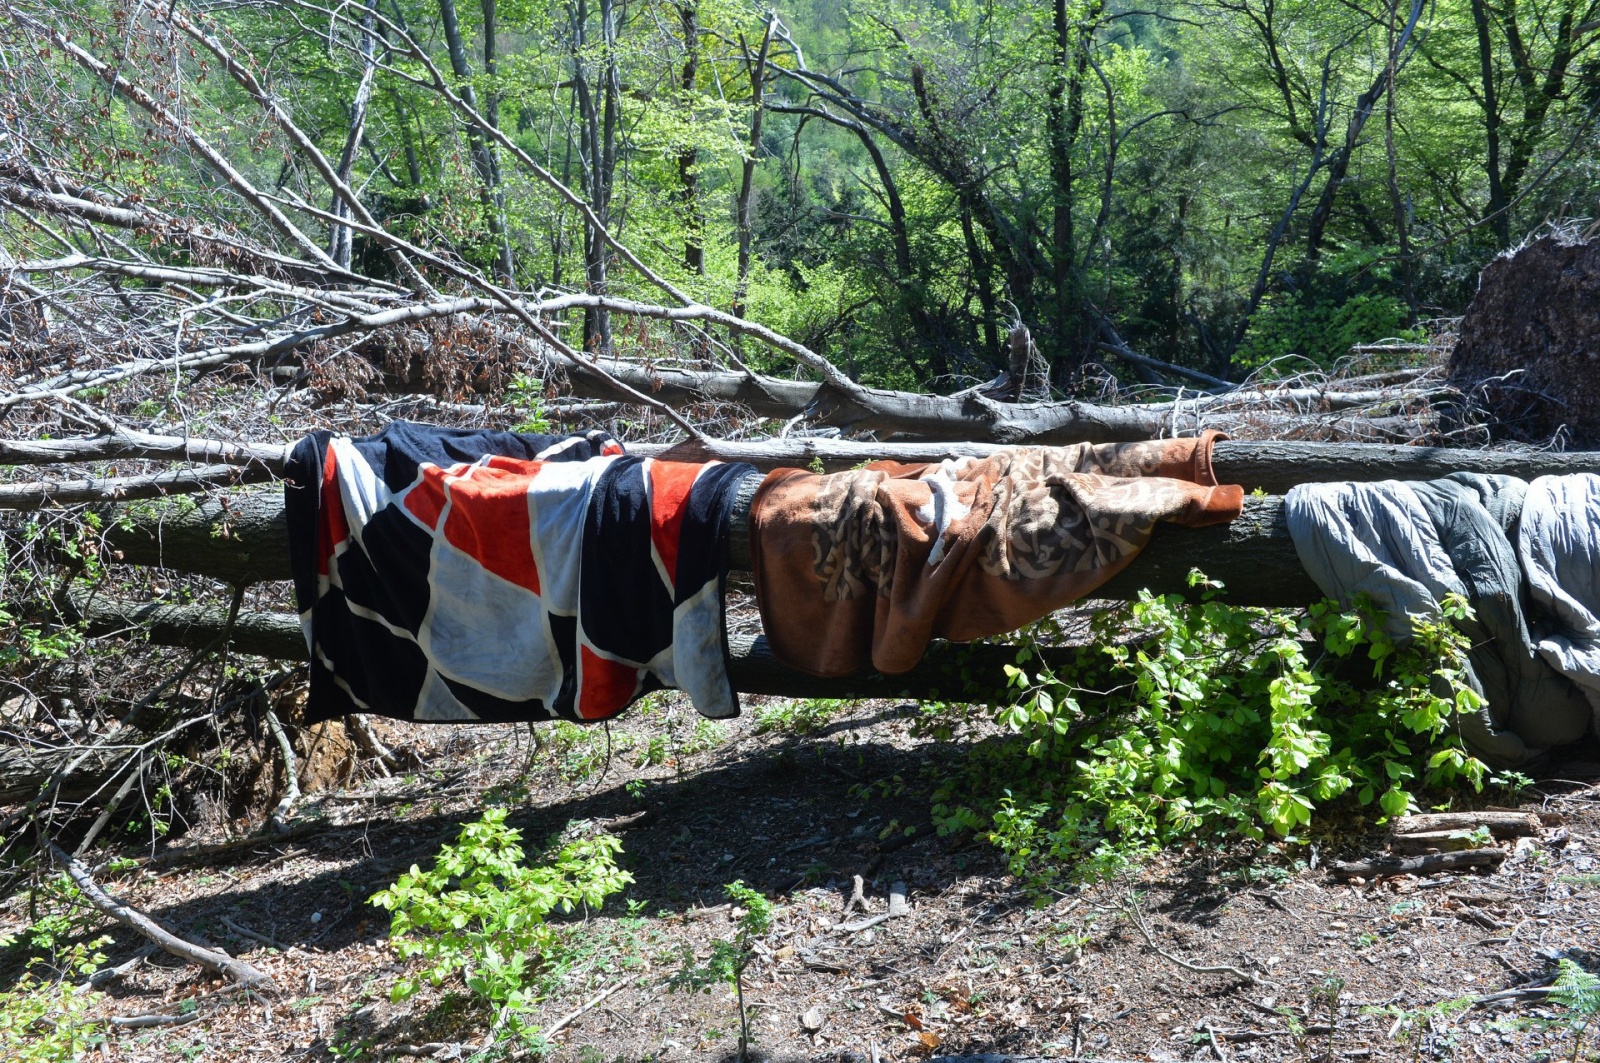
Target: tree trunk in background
[
  {"x": 596, "y": 148},
  {"x": 1397, "y": 201},
  {"x": 482, "y": 153},
  {"x": 982, "y": 281},
  {"x": 339, "y": 239},
  {"x": 1339, "y": 162},
  {"x": 694, "y": 259},
  {"x": 758, "y": 79},
  {"x": 1500, "y": 217},
  {"x": 1065, "y": 120}
]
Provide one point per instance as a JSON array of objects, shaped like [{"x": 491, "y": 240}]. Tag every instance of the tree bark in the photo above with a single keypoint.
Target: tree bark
[
  {"x": 689, "y": 158},
  {"x": 949, "y": 670},
  {"x": 25, "y": 772},
  {"x": 340, "y": 239},
  {"x": 594, "y": 149},
  {"x": 757, "y": 69},
  {"x": 482, "y": 152},
  {"x": 31, "y": 496},
  {"x": 246, "y": 541}
]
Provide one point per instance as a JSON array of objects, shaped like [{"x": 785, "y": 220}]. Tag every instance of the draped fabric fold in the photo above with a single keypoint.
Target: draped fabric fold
[
  {"x": 459, "y": 575},
  {"x": 865, "y": 567},
  {"x": 1523, "y": 556}
]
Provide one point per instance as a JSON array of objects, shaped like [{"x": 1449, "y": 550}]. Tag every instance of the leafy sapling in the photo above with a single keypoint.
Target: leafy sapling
[
  {"x": 729, "y": 959},
  {"x": 480, "y": 911}
]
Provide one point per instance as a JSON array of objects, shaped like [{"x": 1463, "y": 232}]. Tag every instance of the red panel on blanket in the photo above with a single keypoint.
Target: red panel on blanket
[
  {"x": 605, "y": 687},
  {"x": 670, "y": 482},
  {"x": 425, "y": 499},
  {"x": 488, "y": 518},
  {"x": 334, "y": 529}
]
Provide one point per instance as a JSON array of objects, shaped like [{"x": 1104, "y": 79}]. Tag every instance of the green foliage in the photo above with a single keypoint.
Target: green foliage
[
  {"x": 526, "y": 394},
  {"x": 1322, "y": 331},
  {"x": 729, "y": 958},
  {"x": 1216, "y": 720},
  {"x": 480, "y": 911},
  {"x": 579, "y": 752},
  {"x": 798, "y": 717},
  {"x": 704, "y": 735},
  {"x": 48, "y": 1020},
  {"x": 1578, "y": 992}
]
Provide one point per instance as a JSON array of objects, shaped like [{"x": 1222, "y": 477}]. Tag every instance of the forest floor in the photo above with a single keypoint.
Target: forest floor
[{"x": 1401, "y": 969}]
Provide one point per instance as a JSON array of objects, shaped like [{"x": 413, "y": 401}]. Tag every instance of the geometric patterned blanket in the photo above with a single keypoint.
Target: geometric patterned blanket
[{"x": 461, "y": 575}]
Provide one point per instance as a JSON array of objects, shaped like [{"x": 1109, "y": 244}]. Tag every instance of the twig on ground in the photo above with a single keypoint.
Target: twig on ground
[
  {"x": 898, "y": 906},
  {"x": 566, "y": 1020},
  {"x": 218, "y": 961},
  {"x": 140, "y": 1022},
  {"x": 361, "y": 732},
  {"x": 1416, "y": 865},
  {"x": 1137, "y": 918},
  {"x": 291, "y": 790},
  {"x": 432, "y": 1048},
  {"x": 1216, "y": 1046},
  {"x": 246, "y": 932},
  {"x": 107, "y": 975},
  {"x": 858, "y": 898}
]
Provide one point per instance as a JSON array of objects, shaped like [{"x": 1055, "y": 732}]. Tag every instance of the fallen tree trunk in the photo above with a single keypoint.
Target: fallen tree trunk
[
  {"x": 948, "y": 671},
  {"x": 244, "y": 539},
  {"x": 1273, "y": 467},
  {"x": 261, "y": 634},
  {"x": 967, "y": 416},
  {"x": 78, "y": 770},
  {"x": 32, "y": 495}
]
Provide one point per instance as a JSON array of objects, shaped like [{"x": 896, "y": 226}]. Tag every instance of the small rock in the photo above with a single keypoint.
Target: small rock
[{"x": 811, "y": 1021}]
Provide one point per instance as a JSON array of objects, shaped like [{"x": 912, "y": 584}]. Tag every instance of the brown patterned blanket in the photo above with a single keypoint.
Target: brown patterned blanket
[{"x": 866, "y": 566}]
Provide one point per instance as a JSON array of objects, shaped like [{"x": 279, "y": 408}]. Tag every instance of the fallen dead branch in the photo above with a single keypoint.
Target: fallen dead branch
[
  {"x": 1499, "y": 824},
  {"x": 284, "y": 811},
  {"x": 1426, "y": 864},
  {"x": 899, "y": 906},
  {"x": 220, "y": 962},
  {"x": 145, "y": 1022},
  {"x": 33, "y": 495},
  {"x": 573, "y": 1016}
]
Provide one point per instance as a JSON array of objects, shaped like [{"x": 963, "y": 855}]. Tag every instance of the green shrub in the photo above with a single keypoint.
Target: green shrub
[
  {"x": 1215, "y": 721},
  {"x": 1578, "y": 993},
  {"x": 729, "y": 959},
  {"x": 1321, "y": 330},
  {"x": 43, "y": 1021},
  {"x": 798, "y": 717},
  {"x": 481, "y": 911}
]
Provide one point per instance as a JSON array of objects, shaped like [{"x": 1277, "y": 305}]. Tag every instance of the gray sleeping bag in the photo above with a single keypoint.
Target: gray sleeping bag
[{"x": 1406, "y": 546}]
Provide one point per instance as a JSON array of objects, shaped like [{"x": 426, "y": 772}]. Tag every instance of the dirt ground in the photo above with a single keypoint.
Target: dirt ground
[{"x": 1253, "y": 954}]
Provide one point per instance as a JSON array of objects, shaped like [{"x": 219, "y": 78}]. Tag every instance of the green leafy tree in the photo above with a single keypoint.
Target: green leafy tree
[{"x": 480, "y": 912}]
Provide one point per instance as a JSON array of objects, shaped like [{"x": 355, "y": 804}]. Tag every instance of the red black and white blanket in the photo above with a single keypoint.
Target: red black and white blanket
[{"x": 459, "y": 575}]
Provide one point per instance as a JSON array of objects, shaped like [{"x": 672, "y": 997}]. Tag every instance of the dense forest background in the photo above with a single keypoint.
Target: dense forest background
[{"x": 1217, "y": 183}]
